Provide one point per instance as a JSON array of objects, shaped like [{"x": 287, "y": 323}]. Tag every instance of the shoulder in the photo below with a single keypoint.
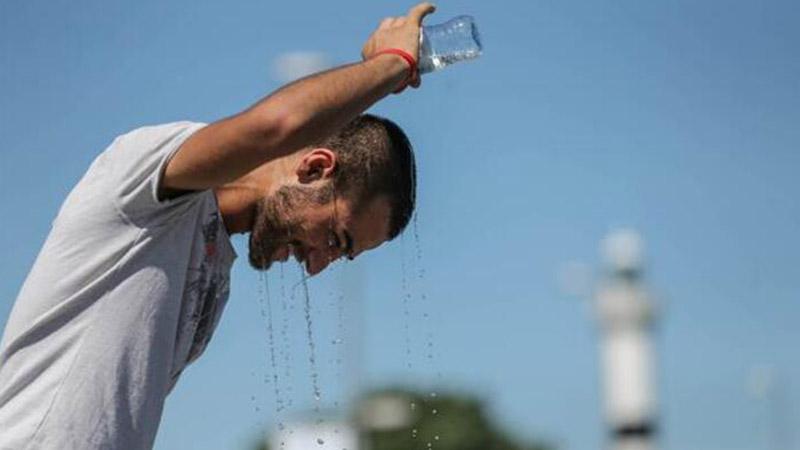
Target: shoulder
[{"x": 162, "y": 131}]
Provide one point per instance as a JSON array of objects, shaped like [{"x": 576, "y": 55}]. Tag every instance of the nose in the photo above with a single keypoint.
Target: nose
[{"x": 319, "y": 260}]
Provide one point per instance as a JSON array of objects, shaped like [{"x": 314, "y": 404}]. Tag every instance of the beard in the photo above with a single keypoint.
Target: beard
[{"x": 277, "y": 221}]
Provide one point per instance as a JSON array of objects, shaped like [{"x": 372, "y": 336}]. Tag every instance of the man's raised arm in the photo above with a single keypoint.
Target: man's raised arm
[{"x": 300, "y": 113}]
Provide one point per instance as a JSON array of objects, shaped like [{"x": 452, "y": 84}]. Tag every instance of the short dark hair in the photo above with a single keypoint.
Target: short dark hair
[{"x": 375, "y": 158}]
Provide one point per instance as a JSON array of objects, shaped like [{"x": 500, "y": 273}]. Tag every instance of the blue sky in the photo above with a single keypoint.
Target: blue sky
[{"x": 676, "y": 118}]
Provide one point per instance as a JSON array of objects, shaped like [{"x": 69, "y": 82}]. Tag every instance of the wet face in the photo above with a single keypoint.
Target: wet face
[{"x": 315, "y": 227}]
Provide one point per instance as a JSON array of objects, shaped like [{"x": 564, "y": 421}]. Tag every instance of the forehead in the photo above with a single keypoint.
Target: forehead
[{"x": 369, "y": 225}]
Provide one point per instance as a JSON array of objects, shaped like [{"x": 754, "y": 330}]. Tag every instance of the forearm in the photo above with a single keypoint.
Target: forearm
[
  {"x": 315, "y": 107},
  {"x": 298, "y": 114}
]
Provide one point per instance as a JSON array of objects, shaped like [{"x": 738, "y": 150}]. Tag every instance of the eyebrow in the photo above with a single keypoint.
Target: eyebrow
[{"x": 348, "y": 244}]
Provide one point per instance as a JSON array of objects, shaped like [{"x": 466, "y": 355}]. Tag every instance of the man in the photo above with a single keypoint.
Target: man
[{"x": 132, "y": 279}]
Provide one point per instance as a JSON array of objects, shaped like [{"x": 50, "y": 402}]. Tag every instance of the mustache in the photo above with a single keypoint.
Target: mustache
[{"x": 263, "y": 245}]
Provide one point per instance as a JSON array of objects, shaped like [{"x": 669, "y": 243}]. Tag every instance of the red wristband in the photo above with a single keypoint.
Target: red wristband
[{"x": 413, "y": 71}]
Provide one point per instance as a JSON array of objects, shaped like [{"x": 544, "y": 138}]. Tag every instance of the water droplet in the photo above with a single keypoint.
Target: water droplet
[
  {"x": 320, "y": 441},
  {"x": 434, "y": 411},
  {"x": 413, "y": 406},
  {"x": 433, "y": 394},
  {"x": 436, "y": 438},
  {"x": 312, "y": 358}
]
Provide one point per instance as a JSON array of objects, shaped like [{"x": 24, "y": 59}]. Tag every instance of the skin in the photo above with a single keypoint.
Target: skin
[{"x": 248, "y": 157}]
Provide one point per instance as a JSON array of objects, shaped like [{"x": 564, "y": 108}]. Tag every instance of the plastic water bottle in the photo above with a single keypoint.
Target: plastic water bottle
[{"x": 447, "y": 43}]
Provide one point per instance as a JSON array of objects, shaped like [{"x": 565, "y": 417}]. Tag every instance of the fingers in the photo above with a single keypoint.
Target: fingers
[
  {"x": 417, "y": 13},
  {"x": 415, "y": 16},
  {"x": 390, "y": 22},
  {"x": 386, "y": 23}
]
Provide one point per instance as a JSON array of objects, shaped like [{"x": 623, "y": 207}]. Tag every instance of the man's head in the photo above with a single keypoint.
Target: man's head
[{"x": 348, "y": 193}]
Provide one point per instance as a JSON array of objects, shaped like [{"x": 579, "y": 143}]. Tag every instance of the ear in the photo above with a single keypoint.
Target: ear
[{"x": 317, "y": 164}]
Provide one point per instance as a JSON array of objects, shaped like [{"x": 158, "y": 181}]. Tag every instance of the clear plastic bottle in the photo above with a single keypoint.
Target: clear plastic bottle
[{"x": 447, "y": 43}]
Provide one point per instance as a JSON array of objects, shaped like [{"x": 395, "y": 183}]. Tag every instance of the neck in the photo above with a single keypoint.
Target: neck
[
  {"x": 238, "y": 199},
  {"x": 237, "y": 208}
]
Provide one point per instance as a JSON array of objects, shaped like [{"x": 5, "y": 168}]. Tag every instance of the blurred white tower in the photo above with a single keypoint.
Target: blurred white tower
[
  {"x": 626, "y": 314},
  {"x": 315, "y": 435}
]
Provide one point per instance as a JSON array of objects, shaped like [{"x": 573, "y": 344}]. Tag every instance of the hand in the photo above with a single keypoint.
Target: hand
[{"x": 401, "y": 33}]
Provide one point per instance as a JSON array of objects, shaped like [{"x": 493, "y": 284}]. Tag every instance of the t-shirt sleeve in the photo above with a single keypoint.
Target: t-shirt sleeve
[{"x": 139, "y": 160}]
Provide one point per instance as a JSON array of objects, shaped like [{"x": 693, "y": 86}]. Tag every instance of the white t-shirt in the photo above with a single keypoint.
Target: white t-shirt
[{"x": 125, "y": 293}]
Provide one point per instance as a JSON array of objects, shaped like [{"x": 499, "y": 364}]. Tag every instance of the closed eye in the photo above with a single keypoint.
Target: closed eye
[
  {"x": 333, "y": 240},
  {"x": 348, "y": 249}
]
